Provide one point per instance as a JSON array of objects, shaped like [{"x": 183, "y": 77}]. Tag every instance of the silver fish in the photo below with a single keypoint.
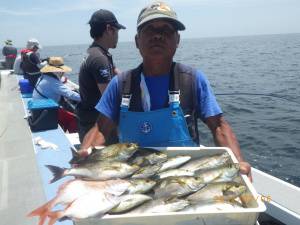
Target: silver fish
[
  {"x": 174, "y": 162},
  {"x": 130, "y": 201},
  {"x": 150, "y": 159},
  {"x": 175, "y": 173},
  {"x": 222, "y": 191},
  {"x": 140, "y": 186},
  {"x": 177, "y": 186},
  {"x": 115, "y": 152},
  {"x": 161, "y": 206},
  {"x": 207, "y": 162},
  {"x": 156, "y": 158},
  {"x": 147, "y": 171},
  {"x": 219, "y": 174},
  {"x": 212, "y": 206},
  {"x": 95, "y": 171}
]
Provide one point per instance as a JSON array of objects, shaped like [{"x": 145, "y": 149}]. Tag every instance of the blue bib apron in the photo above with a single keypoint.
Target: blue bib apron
[{"x": 164, "y": 127}]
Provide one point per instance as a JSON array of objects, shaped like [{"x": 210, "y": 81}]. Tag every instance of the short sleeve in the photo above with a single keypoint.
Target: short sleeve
[
  {"x": 109, "y": 104},
  {"x": 101, "y": 69},
  {"x": 208, "y": 105}
]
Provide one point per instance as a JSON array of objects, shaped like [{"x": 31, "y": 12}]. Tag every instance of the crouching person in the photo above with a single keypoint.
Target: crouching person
[{"x": 50, "y": 86}]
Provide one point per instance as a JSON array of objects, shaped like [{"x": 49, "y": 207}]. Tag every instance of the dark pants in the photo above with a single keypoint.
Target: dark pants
[
  {"x": 9, "y": 63},
  {"x": 86, "y": 120}
]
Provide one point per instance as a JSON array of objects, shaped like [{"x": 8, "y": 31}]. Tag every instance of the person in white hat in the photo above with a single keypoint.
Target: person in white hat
[
  {"x": 31, "y": 62},
  {"x": 50, "y": 86}
]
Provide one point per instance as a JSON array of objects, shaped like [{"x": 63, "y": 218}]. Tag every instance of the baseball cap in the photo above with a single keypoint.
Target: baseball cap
[
  {"x": 103, "y": 16},
  {"x": 158, "y": 10}
]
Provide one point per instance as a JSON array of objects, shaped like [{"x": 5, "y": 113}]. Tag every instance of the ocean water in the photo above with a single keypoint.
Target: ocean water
[{"x": 257, "y": 83}]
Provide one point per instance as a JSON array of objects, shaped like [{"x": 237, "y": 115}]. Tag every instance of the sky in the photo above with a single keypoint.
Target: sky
[{"x": 63, "y": 22}]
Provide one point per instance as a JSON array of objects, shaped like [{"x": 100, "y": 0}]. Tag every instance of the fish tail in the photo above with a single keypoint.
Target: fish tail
[
  {"x": 42, "y": 211},
  {"x": 54, "y": 216},
  {"x": 57, "y": 172}
]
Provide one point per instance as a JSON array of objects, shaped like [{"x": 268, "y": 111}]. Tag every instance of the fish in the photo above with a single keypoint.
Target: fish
[
  {"x": 116, "y": 152},
  {"x": 207, "y": 162},
  {"x": 73, "y": 189},
  {"x": 162, "y": 205},
  {"x": 156, "y": 158},
  {"x": 94, "y": 171},
  {"x": 219, "y": 174},
  {"x": 140, "y": 186},
  {"x": 174, "y": 173},
  {"x": 177, "y": 186},
  {"x": 213, "y": 206},
  {"x": 222, "y": 191},
  {"x": 174, "y": 162},
  {"x": 147, "y": 171},
  {"x": 93, "y": 204},
  {"x": 127, "y": 202},
  {"x": 146, "y": 157}
]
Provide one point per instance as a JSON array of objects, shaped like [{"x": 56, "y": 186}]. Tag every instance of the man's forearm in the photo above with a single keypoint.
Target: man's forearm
[
  {"x": 107, "y": 127},
  {"x": 225, "y": 137}
]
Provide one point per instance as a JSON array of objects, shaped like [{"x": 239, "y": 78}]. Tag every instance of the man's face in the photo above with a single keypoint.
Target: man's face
[
  {"x": 157, "y": 40},
  {"x": 114, "y": 35}
]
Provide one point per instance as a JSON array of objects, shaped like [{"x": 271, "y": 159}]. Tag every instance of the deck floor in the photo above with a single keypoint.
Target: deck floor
[{"x": 21, "y": 187}]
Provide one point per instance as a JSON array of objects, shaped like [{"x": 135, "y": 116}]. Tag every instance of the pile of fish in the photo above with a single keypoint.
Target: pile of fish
[{"x": 124, "y": 178}]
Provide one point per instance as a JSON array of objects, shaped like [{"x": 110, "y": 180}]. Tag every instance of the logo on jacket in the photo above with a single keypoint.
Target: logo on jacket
[
  {"x": 146, "y": 128},
  {"x": 104, "y": 72}
]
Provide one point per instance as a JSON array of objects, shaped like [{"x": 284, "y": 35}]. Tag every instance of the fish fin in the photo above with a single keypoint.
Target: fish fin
[
  {"x": 75, "y": 157},
  {"x": 54, "y": 216},
  {"x": 64, "y": 218},
  {"x": 42, "y": 211},
  {"x": 57, "y": 172}
]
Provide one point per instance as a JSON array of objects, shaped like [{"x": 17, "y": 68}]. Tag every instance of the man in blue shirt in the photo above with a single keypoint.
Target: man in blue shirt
[{"x": 158, "y": 103}]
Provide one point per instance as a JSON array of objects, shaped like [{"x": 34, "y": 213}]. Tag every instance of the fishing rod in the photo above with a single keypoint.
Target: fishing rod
[{"x": 260, "y": 94}]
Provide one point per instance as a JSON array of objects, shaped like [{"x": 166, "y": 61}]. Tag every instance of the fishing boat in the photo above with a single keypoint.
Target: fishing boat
[{"x": 24, "y": 179}]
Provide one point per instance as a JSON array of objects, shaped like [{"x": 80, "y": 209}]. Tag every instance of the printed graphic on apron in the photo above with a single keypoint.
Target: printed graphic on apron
[{"x": 146, "y": 127}]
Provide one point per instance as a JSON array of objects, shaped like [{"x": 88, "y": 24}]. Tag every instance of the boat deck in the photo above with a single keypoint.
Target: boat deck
[
  {"x": 21, "y": 187},
  {"x": 24, "y": 179}
]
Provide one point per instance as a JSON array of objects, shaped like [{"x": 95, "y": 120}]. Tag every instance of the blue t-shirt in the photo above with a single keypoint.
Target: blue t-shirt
[{"x": 158, "y": 86}]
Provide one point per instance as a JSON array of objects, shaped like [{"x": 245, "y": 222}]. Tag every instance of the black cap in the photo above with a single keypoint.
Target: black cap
[{"x": 103, "y": 16}]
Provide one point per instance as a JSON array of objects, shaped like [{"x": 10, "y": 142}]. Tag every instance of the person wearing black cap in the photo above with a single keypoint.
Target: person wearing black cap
[
  {"x": 159, "y": 103},
  {"x": 97, "y": 69}
]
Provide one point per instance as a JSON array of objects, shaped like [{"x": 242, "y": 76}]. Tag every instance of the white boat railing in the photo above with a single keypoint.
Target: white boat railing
[{"x": 281, "y": 198}]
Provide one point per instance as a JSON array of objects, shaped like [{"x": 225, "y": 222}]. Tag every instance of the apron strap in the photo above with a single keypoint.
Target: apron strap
[
  {"x": 174, "y": 91},
  {"x": 128, "y": 85},
  {"x": 133, "y": 77}
]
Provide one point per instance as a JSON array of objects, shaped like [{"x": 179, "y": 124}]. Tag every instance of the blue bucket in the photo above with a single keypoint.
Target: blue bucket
[{"x": 25, "y": 86}]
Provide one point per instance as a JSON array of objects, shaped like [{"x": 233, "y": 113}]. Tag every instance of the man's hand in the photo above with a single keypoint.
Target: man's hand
[
  {"x": 245, "y": 168},
  {"x": 92, "y": 139}
]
